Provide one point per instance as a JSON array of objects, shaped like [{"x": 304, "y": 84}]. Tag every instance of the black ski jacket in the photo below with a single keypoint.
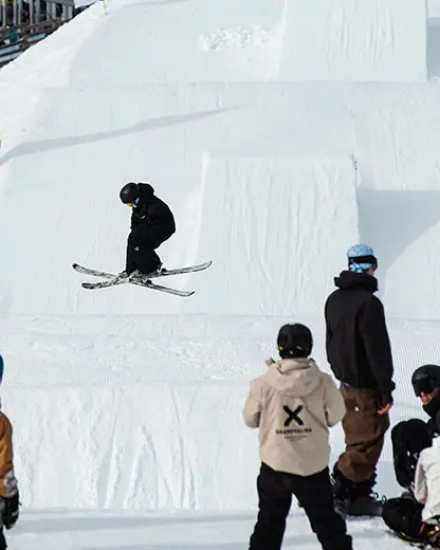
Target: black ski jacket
[
  {"x": 152, "y": 221},
  {"x": 433, "y": 410},
  {"x": 357, "y": 342}
]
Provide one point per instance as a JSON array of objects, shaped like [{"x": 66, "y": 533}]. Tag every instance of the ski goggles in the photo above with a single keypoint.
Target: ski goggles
[
  {"x": 133, "y": 204},
  {"x": 426, "y": 386}
]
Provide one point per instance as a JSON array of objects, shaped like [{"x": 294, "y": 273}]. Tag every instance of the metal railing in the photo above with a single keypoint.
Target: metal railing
[
  {"x": 23, "y": 23},
  {"x": 18, "y": 12}
]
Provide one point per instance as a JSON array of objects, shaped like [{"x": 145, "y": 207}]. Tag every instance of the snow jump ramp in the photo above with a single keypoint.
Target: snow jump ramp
[{"x": 269, "y": 223}]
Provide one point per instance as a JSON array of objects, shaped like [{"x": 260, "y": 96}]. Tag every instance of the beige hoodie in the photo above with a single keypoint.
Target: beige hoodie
[{"x": 294, "y": 404}]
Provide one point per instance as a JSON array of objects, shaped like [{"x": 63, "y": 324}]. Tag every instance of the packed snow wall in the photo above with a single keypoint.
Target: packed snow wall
[
  {"x": 366, "y": 40},
  {"x": 281, "y": 216},
  {"x": 146, "y": 412},
  {"x": 253, "y": 177},
  {"x": 219, "y": 42},
  {"x": 287, "y": 40},
  {"x": 162, "y": 446}
]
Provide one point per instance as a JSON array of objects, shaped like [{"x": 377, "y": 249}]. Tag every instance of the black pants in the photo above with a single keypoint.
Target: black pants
[
  {"x": 408, "y": 438},
  {"x": 314, "y": 492},
  {"x": 404, "y": 516},
  {"x": 143, "y": 258},
  {"x": 3, "y": 544}
]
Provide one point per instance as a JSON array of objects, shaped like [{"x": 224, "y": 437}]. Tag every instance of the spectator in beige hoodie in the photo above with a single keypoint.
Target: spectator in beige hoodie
[{"x": 293, "y": 405}]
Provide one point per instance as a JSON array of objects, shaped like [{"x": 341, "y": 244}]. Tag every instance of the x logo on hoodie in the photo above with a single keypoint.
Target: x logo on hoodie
[{"x": 293, "y": 415}]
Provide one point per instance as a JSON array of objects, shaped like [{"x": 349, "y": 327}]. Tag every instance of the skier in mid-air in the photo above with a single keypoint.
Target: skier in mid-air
[{"x": 152, "y": 223}]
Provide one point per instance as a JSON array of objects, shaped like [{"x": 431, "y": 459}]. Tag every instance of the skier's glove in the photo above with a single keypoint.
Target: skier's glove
[{"x": 11, "y": 511}]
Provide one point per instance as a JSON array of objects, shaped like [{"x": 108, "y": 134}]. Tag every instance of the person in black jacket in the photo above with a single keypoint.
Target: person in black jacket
[
  {"x": 152, "y": 223},
  {"x": 359, "y": 353},
  {"x": 404, "y": 514}
]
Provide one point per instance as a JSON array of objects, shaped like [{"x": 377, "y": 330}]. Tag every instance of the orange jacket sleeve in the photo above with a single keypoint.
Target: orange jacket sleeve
[{"x": 8, "y": 483}]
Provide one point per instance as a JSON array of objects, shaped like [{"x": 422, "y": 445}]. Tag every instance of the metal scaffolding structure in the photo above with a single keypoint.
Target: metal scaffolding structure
[
  {"x": 23, "y": 23},
  {"x": 18, "y": 12}
]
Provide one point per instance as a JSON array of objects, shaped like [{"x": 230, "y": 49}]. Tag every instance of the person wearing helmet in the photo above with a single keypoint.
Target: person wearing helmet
[
  {"x": 359, "y": 354},
  {"x": 416, "y": 457},
  {"x": 152, "y": 223},
  {"x": 293, "y": 405}
]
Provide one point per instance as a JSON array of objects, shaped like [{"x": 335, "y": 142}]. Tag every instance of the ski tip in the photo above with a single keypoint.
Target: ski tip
[
  {"x": 74, "y": 266},
  {"x": 87, "y": 286}
]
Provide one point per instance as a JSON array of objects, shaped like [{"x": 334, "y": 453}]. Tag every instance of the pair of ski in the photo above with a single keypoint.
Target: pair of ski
[{"x": 144, "y": 281}]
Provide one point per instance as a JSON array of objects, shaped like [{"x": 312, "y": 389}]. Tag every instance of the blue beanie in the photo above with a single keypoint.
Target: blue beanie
[{"x": 361, "y": 258}]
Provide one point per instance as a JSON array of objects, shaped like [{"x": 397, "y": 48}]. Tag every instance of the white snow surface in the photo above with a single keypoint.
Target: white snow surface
[
  {"x": 379, "y": 41},
  {"x": 68, "y": 530},
  {"x": 127, "y": 403}
]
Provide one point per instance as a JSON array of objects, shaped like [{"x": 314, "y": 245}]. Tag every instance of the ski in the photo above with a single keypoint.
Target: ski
[
  {"x": 182, "y": 270},
  {"x": 163, "y": 273},
  {"x": 149, "y": 284},
  {"x": 93, "y": 272},
  {"x": 106, "y": 284},
  {"x": 144, "y": 282}
]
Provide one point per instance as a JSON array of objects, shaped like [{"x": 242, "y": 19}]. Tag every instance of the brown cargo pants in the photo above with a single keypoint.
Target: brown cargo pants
[{"x": 364, "y": 431}]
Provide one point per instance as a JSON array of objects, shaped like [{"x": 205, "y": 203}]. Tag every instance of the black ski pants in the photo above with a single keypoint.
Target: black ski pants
[
  {"x": 404, "y": 516},
  {"x": 408, "y": 438},
  {"x": 142, "y": 258},
  {"x": 275, "y": 490},
  {"x": 3, "y": 544}
]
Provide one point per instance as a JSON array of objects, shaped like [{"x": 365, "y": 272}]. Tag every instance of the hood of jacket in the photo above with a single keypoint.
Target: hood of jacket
[
  {"x": 294, "y": 377},
  {"x": 347, "y": 280},
  {"x": 146, "y": 191}
]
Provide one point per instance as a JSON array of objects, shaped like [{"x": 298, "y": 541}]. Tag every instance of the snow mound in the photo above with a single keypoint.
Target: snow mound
[{"x": 235, "y": 39}]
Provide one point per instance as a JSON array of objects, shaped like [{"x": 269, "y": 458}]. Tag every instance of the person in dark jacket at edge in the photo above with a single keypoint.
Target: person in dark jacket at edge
[
  {"x": 152, "y": 223},
  {"x": 415, "y": 515},
  {"x": 359, "y": 354}
]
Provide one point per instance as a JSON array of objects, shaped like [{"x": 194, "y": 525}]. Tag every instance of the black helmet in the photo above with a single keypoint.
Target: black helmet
[
  {"x": 129, "y": 193},
  {"x": 425, "y": 379},
  {"x": 294, "y": 341}
]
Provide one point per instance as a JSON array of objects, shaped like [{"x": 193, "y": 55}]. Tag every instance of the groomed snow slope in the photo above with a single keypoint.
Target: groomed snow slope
[
  {"x": 362, "y": 41},
  {"x": 129, "y": 399},
  {"x": 66, "y": 530}
]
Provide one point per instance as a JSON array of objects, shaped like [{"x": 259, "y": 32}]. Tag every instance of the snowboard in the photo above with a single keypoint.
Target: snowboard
[
  {"x": 372, "y": 508},
  {"x": 409, "y": 541}
]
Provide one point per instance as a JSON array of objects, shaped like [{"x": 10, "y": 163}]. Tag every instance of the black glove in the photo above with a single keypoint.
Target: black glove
[
  {"x": 383, "y": 399},
  {"x": 11, "y": 511}
]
